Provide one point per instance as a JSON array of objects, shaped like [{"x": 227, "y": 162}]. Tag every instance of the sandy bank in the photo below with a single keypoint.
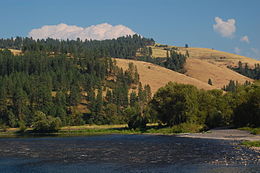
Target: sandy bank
[{"x": 224, "y": 134}]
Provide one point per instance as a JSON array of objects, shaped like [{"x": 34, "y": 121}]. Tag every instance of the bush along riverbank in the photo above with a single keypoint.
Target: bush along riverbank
[{"x": 103, "y": 130}]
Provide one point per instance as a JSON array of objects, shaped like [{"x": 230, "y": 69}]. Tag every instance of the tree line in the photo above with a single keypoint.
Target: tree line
[
  {"x": 244, "y": 69},
  {"x": 122, "y": 47},
  {"x": 175, "y": 104}
]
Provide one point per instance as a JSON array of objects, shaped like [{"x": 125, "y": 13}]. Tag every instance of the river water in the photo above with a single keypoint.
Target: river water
[{"x": 124, "y": 153}]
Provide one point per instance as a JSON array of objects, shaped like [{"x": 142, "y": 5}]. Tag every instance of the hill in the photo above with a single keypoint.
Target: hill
[
  {"x": 220, "y": 75},
  {"x": 204, "y": 63},
  {"x": 157, "y": 76}
]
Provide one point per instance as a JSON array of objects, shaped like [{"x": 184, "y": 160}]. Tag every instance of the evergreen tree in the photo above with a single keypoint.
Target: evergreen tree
[{"x": 210, "y": 82}]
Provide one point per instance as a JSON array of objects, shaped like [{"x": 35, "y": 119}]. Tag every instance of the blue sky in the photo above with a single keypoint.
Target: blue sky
[{"x": 173, "y": 22}]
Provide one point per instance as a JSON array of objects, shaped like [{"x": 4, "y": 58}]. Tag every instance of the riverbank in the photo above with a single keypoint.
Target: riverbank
[
  {"x": 183, "y": 130},
  {"x": 86, "y": 130},
  {"x": 254, "y": 131},
  {"x": 224, "y": 134},
  {"x": 243, "y": 136}
]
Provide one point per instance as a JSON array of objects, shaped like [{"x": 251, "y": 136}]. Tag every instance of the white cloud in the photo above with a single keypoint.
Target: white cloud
[
  {"x": 95, "y": 32},
  {"x": 225, "y": 28},
  {"x": 245, "y": 39},
  {"x": 237, "y": 50}
]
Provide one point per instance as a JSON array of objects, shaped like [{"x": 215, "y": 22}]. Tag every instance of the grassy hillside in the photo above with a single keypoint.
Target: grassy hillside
[
  {"x": 218, "y": 57},
  {"x": 157, "y": 76},
  {"x": 204, "y": 63},
  {"x": 220, "y": 75},
  {"x": 210, "y": 55}
]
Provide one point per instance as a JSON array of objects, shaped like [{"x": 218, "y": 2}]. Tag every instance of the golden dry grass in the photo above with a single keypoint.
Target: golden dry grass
[
  {"x": 220, "y": 75},
  {"x": 158, "y": 52},
  {"x": 217, "y": 57},
  {"x": 210, "y": 55},
  {"x": 15, "y": 52},
  {"x": 205, "y": 63},
  {"x": 157, "y": 76}
]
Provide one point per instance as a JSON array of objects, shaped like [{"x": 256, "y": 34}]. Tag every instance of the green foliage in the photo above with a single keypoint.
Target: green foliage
[
  {"x": 231, "y": 86},
  {"x": 3, "y": 127},
  {"x": 244, "y": 69},
  {"x": 248, "y": 112},
  {"x": 123, "y": 47},
  {"x": 55, "y": 77},
  {"x": 251, "y": 143},
  {"x": 175, "y": 61},
  {"x": 176, "y": 103},
  {"x": 43, "y": 123},
  {"x": 76, "y": 119},
  {"x": 12, "y": 121},
  {"x": 135, "y": 118},
  {"x": 22, "y": 126}
]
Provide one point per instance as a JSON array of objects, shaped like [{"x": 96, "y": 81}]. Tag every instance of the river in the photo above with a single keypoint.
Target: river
[{"x": 125, "y": 153}]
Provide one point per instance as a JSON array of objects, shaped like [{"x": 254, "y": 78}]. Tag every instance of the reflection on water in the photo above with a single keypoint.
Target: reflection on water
[{"x": 125, "y": 153}]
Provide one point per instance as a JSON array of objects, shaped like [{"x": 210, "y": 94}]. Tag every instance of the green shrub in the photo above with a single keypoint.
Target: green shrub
[
  {"x": 3, "y": 127},
  {"x": 135, "y": 118},
  {"x": 22, "y": 126},
  {"x": 45, "y": 123}
]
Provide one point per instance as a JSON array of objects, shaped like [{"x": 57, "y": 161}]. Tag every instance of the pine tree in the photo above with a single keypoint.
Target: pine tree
[{"x": 210, "y": 82}]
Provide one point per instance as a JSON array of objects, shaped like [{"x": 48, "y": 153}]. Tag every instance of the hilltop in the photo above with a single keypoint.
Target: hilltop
[{"x": 213, "y": 56}]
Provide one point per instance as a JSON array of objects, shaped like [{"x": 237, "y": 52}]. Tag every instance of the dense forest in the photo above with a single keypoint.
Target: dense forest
[
  {"x": 244, "y": 69},
  {"x": 55, "y": 83},
  {"x": 45, "y": 86},
  {"x": 35, "y": 87}
]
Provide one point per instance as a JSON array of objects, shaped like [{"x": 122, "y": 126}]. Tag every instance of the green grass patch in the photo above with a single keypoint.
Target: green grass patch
[
  {"x": 251, "y": 143},
  {"x": 254, "y": 131},
  {"x": 89, "y": 130}
]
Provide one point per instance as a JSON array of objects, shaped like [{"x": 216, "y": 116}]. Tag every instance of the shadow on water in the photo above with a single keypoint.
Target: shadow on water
[{"x": 125, "y": 153}]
